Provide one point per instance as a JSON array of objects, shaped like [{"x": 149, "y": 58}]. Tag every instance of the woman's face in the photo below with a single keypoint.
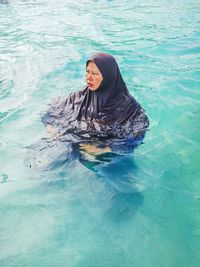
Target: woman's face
[{"x": 93, "y": 76}]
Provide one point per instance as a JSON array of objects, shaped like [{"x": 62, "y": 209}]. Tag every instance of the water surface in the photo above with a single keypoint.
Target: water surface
[{"x": 146, "y": 213}]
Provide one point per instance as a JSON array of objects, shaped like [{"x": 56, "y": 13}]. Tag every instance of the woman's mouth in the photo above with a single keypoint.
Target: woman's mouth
[{"x": 90, "y": 84}]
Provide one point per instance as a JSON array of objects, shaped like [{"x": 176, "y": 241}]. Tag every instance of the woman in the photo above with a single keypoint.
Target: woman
[{"x": 103, "y": 116}]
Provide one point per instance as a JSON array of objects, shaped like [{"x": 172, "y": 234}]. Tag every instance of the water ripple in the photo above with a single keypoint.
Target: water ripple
[{"x": 43, "y": 49}]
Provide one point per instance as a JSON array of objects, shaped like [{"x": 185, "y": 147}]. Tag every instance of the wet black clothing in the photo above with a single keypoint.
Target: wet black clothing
[{"x": 110, "y": 112}]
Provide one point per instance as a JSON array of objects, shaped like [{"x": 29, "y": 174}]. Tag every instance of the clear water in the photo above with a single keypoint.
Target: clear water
[{"x": 70, "y": 216}]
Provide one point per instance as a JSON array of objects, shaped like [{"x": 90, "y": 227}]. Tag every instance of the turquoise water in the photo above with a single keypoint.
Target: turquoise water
[{"x": 146, "y": 212}]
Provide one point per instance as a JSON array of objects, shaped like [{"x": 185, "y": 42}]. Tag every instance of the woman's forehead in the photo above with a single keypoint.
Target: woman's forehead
[{"x": 92, "y": 65}]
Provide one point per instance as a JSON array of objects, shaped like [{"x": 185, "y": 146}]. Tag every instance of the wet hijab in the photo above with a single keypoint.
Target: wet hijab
[{"x": 109, "y": 112}]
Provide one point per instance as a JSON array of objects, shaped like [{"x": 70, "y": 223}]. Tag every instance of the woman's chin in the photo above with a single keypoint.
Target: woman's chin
[{"x": 92, "y": 88}]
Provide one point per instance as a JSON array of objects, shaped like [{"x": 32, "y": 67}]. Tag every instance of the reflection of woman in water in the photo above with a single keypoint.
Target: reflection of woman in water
[{"x": 101, "y": 118}]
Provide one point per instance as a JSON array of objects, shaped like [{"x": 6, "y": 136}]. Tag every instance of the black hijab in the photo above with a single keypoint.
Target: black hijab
[{"x": 110, "y": 111}]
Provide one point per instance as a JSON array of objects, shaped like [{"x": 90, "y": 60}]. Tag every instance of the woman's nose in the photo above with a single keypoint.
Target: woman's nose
[{"x": 89, "y": 76}]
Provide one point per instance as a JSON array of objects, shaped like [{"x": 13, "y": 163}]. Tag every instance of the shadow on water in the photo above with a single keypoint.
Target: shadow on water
[{"x": 116, "y": 172}]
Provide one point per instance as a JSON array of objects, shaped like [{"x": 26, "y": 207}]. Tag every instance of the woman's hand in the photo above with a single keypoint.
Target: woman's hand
[{"x": 93, "y": 150}]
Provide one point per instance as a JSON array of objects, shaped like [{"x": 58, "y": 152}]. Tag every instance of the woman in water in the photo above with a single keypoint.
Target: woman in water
[{"x": 102, "y": 117}]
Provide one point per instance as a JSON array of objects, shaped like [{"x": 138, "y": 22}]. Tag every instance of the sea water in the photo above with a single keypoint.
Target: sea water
[{"x": 143, "y": 210}]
